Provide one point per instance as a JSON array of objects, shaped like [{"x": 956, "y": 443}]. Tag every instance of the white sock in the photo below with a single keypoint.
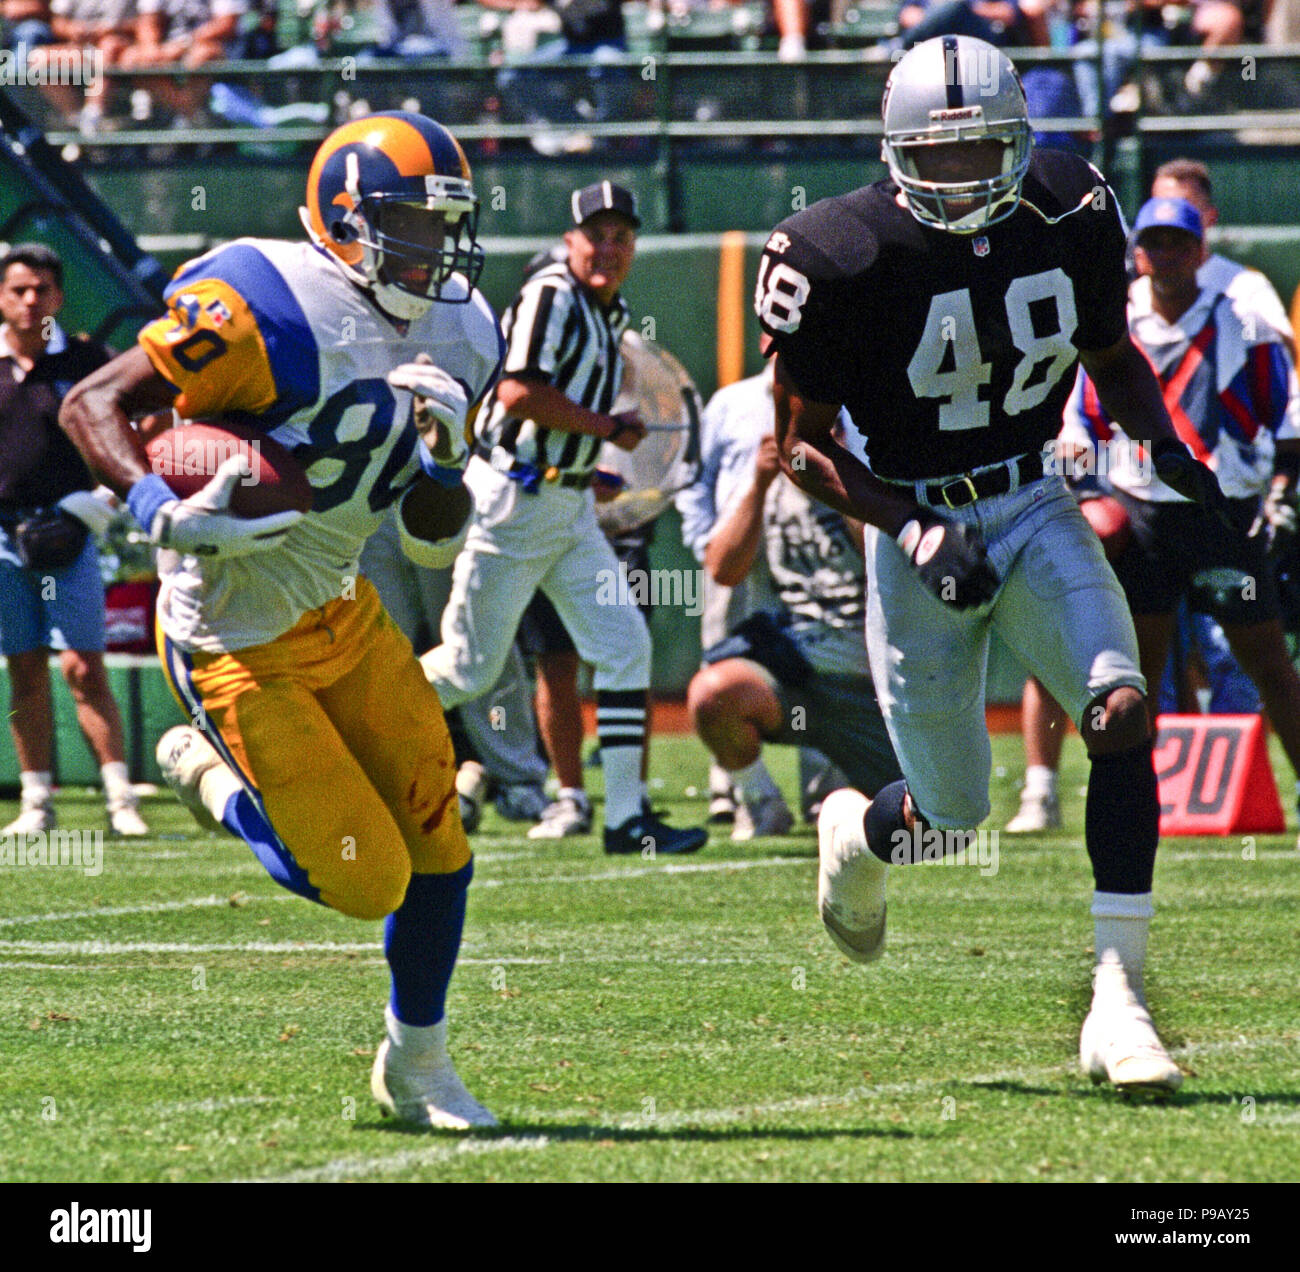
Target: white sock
[
  {"x": 117, "y": 783},
  {"x": 755, "y": 783},
  {"x": 1121, "y": 923},
  {"x": 216, "y": 786},
  {"x": 1040, "y": 782},
  {"x": 416, "y": 1042},
  {"x": 575, "y": 793},
  {"x": 622, "y": 765},
  {"x": 36, "y": 788},
  {"x": 720, "y": 782}
]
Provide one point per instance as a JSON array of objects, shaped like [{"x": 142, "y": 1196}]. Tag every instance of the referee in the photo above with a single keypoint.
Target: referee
[{"x": 534, "y": 526}]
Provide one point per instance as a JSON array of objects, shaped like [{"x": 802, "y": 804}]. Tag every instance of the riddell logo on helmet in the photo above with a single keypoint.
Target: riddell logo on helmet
[{"x": 978, "y": 68}]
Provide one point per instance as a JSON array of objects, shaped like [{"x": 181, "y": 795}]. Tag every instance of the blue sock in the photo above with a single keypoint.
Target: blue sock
[
  {"x": 421, "y": 941},
  {"x": 242, "y": 817}
]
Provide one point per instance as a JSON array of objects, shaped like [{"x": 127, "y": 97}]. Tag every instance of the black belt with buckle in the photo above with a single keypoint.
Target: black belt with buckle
[{"x": 992, "y": 481}]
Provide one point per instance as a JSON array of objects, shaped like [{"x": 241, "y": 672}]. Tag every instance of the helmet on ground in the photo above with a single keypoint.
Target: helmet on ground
[
  {"x": 963, "y": 95},
  {"x": 391, "y": 198}
]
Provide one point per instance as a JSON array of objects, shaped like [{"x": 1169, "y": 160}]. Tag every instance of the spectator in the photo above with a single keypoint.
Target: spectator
[
  {"x": 28, "y": 25},
  {"x": 1254, "y": 301},
  {"x": 735, "y": 421},
  {"x": 417, "y": 29},
  {"x": 588, "y": 28},
  {"x": 103, "y": 27},
  {"x": 999, "y": 22},
  {"x": 1225, "y": 375},
  {"x": 184, "y": 34},
  {"x": 1218, "y": 23},
  {"x": 51, "y": 595},
  {"x": 795, "y": 674}
]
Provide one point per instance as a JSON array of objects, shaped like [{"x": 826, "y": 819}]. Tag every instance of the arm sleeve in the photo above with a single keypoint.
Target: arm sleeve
[{"x": 539, "y": 320}]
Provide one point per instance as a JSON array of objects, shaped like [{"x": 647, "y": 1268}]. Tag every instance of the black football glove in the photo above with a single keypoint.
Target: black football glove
[
  {"x": 951, "y": 559},
  {"x": 1182, "y": 472}
]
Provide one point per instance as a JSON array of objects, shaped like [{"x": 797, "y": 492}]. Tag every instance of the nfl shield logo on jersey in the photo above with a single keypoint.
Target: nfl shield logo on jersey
[{"x": 981, "y": 246}]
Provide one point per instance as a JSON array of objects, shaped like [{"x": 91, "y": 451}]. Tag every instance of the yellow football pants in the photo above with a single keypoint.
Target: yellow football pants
[{"x": 342, "y": 742}]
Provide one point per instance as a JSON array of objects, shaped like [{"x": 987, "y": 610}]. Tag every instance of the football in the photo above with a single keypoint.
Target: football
[{"x": 187, "y": 458}]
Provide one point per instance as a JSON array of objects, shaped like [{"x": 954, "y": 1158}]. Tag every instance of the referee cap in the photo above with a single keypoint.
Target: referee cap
[
  {"x": 604, "y": 196},
  {"x": 1176, "y": 214}
]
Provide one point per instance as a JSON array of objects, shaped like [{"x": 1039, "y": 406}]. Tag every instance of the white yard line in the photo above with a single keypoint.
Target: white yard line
[
  {"x": 359, "y": 1167},
  {"x": 669, "y": 1119},
  {"x": 111, "y": 911},
  {"x": 701, "y": 867},
  {"x": 159, "y": 907}
]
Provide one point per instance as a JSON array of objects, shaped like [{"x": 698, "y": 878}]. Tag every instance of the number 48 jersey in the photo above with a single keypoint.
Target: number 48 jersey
[
  {"x": 950, "y": 351},
  {"x": 272, "y": 334}
]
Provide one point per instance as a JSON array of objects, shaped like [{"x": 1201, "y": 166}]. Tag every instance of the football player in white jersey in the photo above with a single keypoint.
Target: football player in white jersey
[{"x": 314, "y": 735}]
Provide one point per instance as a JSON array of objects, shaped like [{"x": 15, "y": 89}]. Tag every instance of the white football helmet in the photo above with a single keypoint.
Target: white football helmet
[{"x": 956, "y": 89}]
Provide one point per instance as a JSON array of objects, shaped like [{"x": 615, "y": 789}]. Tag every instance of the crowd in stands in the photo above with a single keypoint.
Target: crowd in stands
[{"x": 139, "y": 35}]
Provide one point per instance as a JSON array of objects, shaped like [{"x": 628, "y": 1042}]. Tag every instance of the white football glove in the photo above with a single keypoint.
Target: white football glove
[
  {"x": 92, "y": 508},
  {"x": 201, "y": 524},
  {"x": 440, "y": 411}
]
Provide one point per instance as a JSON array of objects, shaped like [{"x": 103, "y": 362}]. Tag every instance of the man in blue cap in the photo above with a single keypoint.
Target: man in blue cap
[{"x": 1224, "y": 380}]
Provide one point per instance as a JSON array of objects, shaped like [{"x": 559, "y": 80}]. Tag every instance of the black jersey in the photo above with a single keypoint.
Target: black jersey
[{"x": 950, "y": 351}]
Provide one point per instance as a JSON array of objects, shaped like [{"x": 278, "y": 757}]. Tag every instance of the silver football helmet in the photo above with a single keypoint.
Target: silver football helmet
[{"x": 956, "y": 89}]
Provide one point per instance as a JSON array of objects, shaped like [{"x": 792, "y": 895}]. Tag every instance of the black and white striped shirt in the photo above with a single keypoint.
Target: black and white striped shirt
[{"x": 557, "y": 331}]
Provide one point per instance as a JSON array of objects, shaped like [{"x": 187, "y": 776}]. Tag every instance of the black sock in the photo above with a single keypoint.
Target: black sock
[
  {"x": 884, "y": 820},
  {"x": 1122, "y": 820}
]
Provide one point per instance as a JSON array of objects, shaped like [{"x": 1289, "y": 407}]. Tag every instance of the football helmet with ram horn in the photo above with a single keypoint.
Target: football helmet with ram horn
[{"x": 390, "y": 196}]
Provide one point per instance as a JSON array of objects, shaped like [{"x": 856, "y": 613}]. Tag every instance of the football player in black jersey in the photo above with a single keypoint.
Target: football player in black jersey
[{"x": 947, "y": 308}]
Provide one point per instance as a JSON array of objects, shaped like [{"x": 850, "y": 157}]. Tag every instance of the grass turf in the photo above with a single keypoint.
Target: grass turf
[{"x": 640, "y": 1020}]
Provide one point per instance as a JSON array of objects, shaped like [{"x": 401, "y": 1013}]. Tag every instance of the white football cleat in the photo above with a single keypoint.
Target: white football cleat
[
  {"x": 1119, "y": 1045},
  {"x": 770, "y": 816},
  {"x": 568, "y": 815},
  {"x": 424, "y": 1089},
  {"x": 36, "y": 818},
  {"x": 186, "y": 757},
  {"x": 1037, "y": 813},
  {"x": 851, "y": 878},
  {"x": 124, "y": 818}
]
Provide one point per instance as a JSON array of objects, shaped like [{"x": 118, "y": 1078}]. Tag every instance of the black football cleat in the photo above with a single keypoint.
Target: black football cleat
[{"x": 645, "y": 835}]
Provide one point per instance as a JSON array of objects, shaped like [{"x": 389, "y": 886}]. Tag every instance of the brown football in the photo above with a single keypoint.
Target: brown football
[{"x": 187, "y": 458}]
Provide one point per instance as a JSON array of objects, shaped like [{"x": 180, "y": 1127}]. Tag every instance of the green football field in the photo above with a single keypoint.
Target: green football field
[{"x": 178, "y": 1017}]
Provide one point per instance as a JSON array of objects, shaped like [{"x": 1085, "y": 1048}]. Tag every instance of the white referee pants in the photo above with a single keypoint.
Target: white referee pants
[
  {"x": 500, "y": 725},
  {"x": 517, "y": 544}
]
